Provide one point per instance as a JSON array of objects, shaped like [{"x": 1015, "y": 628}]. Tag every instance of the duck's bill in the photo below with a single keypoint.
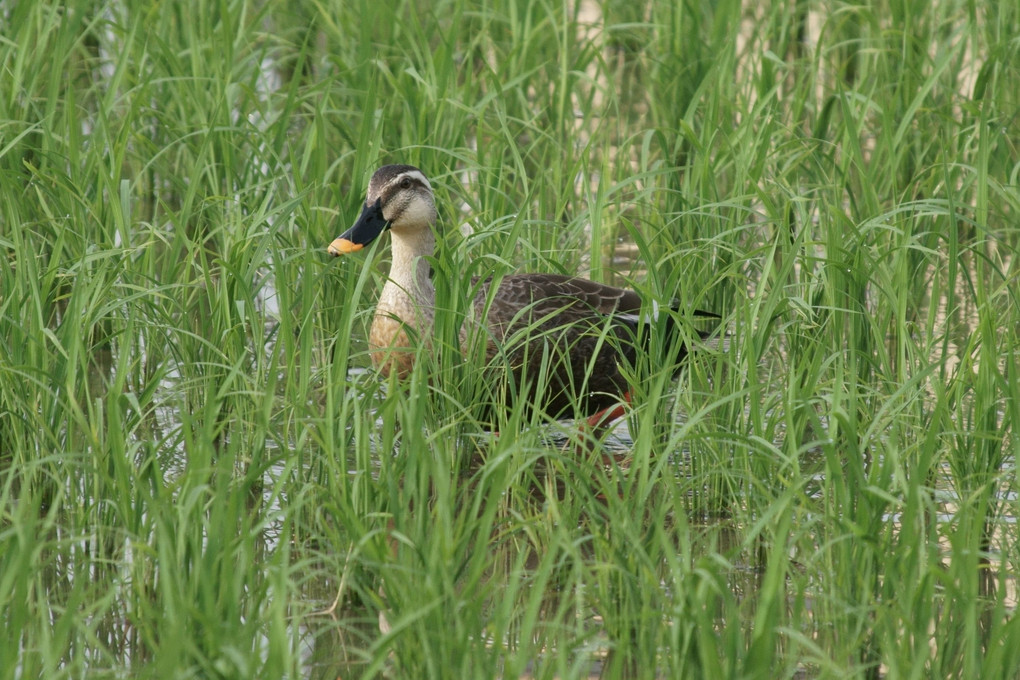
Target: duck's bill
[{"x": 369, "y": 225}]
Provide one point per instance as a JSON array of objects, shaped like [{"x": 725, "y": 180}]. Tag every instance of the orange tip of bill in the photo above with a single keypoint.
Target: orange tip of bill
[{"x": 341, "y": 246}]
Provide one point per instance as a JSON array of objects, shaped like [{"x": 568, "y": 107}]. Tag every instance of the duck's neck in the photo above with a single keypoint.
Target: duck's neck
[{"x": 409, "y": 289}]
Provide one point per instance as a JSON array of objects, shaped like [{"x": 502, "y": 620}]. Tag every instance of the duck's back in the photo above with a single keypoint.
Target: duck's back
[{"x": 562, "y": 338}]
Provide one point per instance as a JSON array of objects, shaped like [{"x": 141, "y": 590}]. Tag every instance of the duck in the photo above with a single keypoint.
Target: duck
[{"x": 565, "y": 340}]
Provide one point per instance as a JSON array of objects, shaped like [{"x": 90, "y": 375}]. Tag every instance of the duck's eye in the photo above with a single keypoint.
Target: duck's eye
[{"x": 405, "y": 183}]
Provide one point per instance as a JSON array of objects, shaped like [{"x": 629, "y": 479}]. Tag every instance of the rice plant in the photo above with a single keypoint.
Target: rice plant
[{"x": 201, "y": 474}]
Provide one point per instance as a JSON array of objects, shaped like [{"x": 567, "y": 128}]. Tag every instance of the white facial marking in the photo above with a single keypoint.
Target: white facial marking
[{"x": 413, "y": 175}]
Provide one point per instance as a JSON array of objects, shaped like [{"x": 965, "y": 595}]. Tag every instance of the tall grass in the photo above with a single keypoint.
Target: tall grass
[{"x": 200, "y": 478}]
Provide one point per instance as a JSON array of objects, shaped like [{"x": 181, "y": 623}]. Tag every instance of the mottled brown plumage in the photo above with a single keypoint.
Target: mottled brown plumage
[{"x": 565, "y": 335}]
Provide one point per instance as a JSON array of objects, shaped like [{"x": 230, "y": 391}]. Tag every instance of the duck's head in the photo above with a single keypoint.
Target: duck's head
[{"x": 399, "y": 197}]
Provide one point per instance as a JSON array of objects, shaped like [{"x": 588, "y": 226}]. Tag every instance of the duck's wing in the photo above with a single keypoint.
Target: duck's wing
[
  {"x": 557, "y": 299},
  {"x": 575, "y": 331},
  {"x": 558, "y": 336}
]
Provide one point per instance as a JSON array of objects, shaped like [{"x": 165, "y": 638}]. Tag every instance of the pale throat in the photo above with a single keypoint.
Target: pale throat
[{"x": 409, "y": 293}]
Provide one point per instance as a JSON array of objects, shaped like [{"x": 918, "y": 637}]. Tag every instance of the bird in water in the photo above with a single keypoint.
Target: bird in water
[{"x": 562, "y": 339}]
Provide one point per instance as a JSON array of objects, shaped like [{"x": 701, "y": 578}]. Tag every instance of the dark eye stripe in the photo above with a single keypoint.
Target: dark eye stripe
[
  {"x": 386, "y": 183},
  {"x": 396, "y": 186}
]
